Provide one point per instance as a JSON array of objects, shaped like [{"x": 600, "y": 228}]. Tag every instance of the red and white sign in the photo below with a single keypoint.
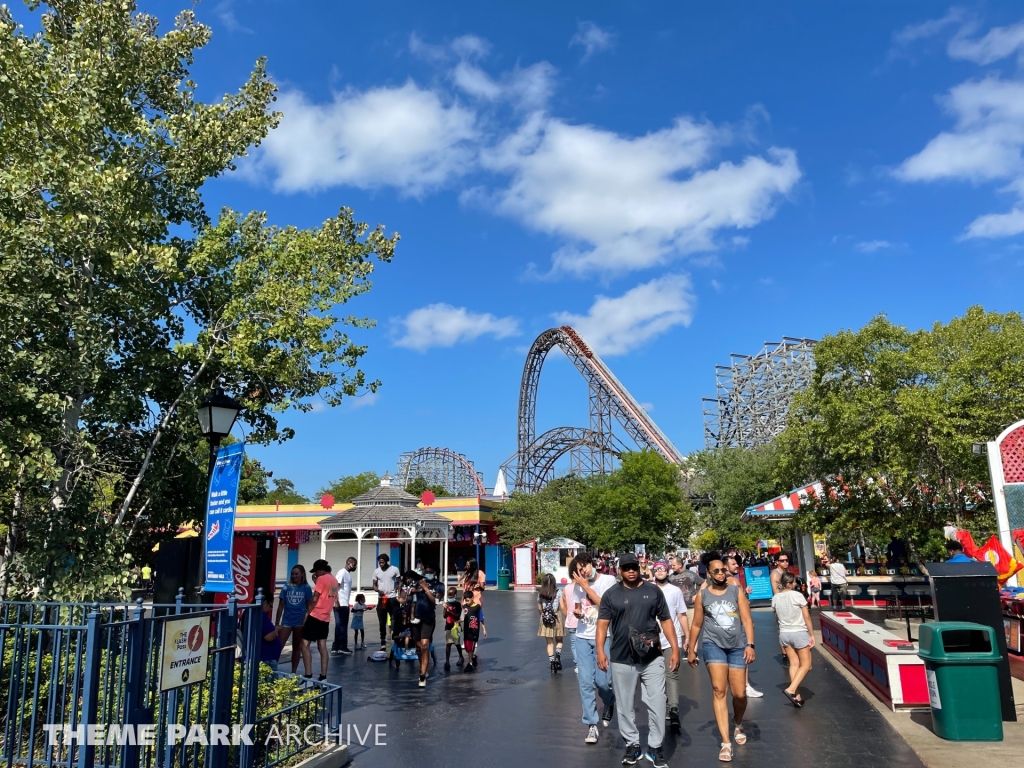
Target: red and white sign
[{"x": 243, "y": 567}]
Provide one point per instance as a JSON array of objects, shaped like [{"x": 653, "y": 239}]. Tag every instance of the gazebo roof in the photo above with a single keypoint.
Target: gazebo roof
[
  {"x": 384, "y": 506},
  {"x": 368, "y": 516},
  {"x": 386, "y": 494}
]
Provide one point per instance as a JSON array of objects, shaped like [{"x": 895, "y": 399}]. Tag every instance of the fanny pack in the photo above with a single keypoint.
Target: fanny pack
[{"x": 644, "y": 644}]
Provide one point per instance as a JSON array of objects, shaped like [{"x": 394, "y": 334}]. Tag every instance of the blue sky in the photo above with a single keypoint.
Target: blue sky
[{"x": 679, "y": 181}]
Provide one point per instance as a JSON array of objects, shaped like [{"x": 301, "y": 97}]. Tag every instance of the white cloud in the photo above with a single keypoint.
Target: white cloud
[
  {"x": 225, "y": 11},
  {"x": 363, "y": 401},
  {"x": 470, "y": 47},
  {"x": 870, "y": 246},
  {"x": 527, "y": 88},
  {"x": 995, "y": 225},
  {"x": 996, "y": 44},
  {"x": 985, "y": 144},
  {"x": 442, "y": 325},
  {"x": 930, "y": 28},
  {"x": 422, "y": 49},
  {"x": 623, "y": 203},
  {"x": 403, "y": 137},
  {"x": 614, "y": 326},
  {"x": 591, "y": 38},
  {"x": 649, "y": 407}
]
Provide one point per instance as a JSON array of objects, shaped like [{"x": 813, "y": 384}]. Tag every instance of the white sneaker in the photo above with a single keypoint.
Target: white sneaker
[
  {"x": 753, "y": 693},
  {"x": 591, "y": 735}
]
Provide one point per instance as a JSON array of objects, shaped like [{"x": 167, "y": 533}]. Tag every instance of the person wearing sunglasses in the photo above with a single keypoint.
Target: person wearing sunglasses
[
  {"x": 635, "y": 614},
  {"x": 723, "y": 627},
  {"x": 781, "y": 567}
]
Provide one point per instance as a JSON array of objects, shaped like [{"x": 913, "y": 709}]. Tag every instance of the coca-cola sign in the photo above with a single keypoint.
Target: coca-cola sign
[{"x": 241, "y": 567}]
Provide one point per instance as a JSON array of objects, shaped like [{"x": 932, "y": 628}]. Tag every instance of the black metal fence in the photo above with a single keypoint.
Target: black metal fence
[{"x": 82, "y": 688}]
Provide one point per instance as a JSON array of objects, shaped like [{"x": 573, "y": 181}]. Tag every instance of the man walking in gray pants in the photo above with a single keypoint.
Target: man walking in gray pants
[{"x": 638, "y": 614}]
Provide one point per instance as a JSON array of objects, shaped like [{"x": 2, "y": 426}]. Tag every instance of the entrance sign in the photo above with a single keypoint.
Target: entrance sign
[
  {"x": 220, "y": 518},
  {"x": 185, "y": 655}
]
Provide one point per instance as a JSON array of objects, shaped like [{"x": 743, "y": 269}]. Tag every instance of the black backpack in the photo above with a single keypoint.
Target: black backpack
[{"x": 548, "y": 615}]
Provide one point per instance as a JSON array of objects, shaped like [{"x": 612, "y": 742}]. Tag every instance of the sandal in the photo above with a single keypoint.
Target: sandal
[
  {"x": 740, "y": 735},
  {"x": 725, "y": 753},
  {"x": 793, "y": 697}
]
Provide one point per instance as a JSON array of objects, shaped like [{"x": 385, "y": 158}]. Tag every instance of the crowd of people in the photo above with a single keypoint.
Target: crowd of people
[
  {"x": 406, "y": 609},
  {"x": 628, "y": 619}
]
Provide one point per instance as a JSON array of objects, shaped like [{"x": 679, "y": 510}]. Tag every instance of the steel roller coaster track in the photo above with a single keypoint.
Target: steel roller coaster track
[{"x": 591, "y": 450}]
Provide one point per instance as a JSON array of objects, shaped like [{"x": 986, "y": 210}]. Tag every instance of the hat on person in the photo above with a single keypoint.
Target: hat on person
[
  {"x": 321, "y": 565},
  {"x": 628, "y": 558},
  {"x": 660, "y": 564}
]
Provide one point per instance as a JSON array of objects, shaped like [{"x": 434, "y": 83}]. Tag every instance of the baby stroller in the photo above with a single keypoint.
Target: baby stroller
[{"x": 400, "y": 653}]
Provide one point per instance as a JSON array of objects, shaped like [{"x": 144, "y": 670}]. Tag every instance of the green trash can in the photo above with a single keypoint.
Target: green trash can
[
  {"x": 504, "y": 578},
  {"x": 961, "y": 665}
]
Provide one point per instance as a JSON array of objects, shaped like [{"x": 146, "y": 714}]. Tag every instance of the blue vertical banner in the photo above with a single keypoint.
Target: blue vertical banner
[{"x": 220, "y": 518}]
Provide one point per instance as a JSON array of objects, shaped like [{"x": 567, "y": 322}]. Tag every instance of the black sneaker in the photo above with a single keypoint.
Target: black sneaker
[
  {"x": 345, "y": 652},
  {"x": 607, "y": 715},
  {"x": 657, "y": 757},
  {"x": 447, "y": 666},
  {"x": 633, "y": 754},
  {"x": 673, "y": 720}
]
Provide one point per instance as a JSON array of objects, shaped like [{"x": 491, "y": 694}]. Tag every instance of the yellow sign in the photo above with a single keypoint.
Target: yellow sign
[{"x": 186, "y": 652}]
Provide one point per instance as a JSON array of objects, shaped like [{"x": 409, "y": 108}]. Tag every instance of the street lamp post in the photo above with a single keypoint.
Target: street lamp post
[{"x": 217, "y": 414}]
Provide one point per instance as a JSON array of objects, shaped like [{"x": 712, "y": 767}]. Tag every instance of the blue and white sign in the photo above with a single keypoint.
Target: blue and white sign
[
  {"x": 220, "y": 518},
  {"x": 759, "y": 579}
]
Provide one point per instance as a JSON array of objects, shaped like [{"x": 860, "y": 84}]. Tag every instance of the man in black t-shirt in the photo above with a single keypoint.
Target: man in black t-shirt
[{"x": 634, "y": 609}]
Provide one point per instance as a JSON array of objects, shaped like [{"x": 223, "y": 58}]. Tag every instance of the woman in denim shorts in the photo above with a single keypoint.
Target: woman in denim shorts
[{"x": 722, "y": 622}]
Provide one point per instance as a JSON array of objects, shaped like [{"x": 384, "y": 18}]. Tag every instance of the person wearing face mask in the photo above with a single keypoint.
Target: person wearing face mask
[
  {"x": 588, "y": 587},
  {"x": 677, "y": 611},
  {"x": 723, "y": 627},
  {"x": 424, "y": 617}
]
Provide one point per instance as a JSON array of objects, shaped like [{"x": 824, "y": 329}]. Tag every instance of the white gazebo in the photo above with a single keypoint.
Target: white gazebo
[{"x": 386, "y": 509}]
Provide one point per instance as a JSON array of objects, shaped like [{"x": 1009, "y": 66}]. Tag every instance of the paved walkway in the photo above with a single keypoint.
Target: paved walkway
[{"x": 513, "y": 713}]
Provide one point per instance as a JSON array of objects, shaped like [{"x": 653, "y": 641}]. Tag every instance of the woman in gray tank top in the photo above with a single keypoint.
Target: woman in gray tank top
[{"x": 725, "y": 630}]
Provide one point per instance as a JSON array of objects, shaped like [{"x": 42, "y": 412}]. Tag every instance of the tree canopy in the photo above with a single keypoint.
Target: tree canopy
[
  {"x": 347, "y": 487},
  {"x": 640, "y": 502},
  {"x": 125, "y": 302},
  {"x": 418, "y": 485},
  {"x": 727, "y": 481},
  {"x": 888, "y": 423}
]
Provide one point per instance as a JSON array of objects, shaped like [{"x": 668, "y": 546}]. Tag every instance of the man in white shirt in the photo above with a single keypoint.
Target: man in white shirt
[
  {"x": 589, "y": 586},
  {"x": 341, "y": 608},
  {"x": 838, "y": 581},
  {"x": 385, "y": 582},
  {"x": 677, "y": 609}
]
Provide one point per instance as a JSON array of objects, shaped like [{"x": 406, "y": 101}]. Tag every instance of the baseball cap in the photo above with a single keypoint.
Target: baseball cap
[
  {"x": 660, "y": 564},
  {"x": 628, "y": 558}
]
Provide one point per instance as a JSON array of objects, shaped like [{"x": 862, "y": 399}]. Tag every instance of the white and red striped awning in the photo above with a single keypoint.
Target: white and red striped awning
[{"x": 787, "y": 502}]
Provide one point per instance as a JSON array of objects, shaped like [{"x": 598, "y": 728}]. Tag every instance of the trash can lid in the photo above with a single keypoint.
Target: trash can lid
[{"x": 960, "y": 642}]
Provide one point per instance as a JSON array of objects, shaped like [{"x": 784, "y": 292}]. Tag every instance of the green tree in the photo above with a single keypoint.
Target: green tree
[
  {"x": 124, "y": 303},
  {"x": 252, "y": 485},
  {"x": 418, "y": 485},
  {"x": 727, "y": 481},
  {"x": 347, "y": 487},
  {"x": 888, "y": 423},
  {"x": 556, "y": 510},
  {"x": 283, "y": 493},
  {"x": 641, "y": 502}
]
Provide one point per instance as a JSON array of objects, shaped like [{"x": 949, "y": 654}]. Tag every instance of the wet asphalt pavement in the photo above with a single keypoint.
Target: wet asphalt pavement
[{"x": 512, "y": 711}]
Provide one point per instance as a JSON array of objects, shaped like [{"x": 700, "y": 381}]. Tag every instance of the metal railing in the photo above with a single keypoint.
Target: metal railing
[
  {"x": 289, "y": 731},
  {"x": 75, "y": 665}
]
